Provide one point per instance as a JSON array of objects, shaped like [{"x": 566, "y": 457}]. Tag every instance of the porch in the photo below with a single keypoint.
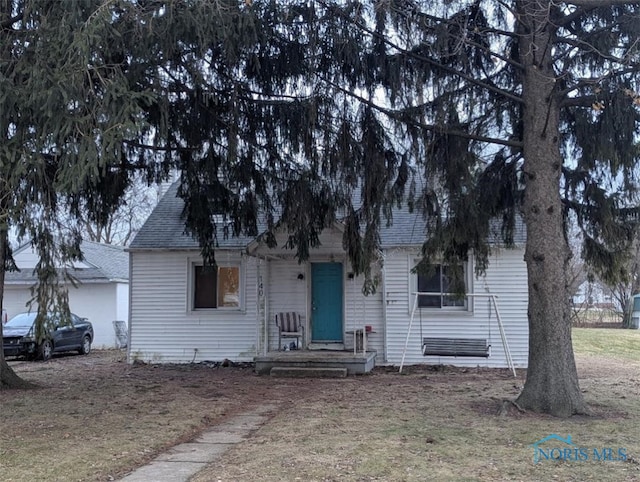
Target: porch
[{"x": 354, "y": 363}]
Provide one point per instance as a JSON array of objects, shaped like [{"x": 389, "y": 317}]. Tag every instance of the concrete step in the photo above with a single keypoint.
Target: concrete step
[
  {"x": 325, "y": 346},
  {"x": 308, "y": 372}
]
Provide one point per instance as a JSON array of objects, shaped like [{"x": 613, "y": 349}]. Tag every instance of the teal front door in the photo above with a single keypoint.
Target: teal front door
[{"x": 326, "y": 302}]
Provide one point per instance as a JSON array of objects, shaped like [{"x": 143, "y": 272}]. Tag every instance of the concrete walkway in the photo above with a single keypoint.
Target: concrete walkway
[{"x": 185, "y": 460}]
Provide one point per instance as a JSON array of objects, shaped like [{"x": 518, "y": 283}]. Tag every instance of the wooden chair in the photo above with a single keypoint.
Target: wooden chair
[{"x": 289, "y": 325}]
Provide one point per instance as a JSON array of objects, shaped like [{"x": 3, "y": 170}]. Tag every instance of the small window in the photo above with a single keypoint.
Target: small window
[
  {"x": 436, "y": 288},
  {"x": 216, "y": 287}
]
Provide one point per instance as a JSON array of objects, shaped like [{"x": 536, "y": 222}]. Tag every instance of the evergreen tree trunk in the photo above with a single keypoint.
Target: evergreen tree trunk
[
  {"x": 552, "y": 379},
  {"x": 8, "y": 378}
]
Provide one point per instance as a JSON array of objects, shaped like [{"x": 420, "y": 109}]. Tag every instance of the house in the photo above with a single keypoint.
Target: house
[
  {"x": 101, "y": 293},
  {"x": 593, "y": 295},
  {"x": 175, "y": 319}
]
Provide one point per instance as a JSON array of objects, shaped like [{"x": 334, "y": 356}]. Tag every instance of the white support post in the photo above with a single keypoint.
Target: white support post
[
  {"x": 364, "y": 327},
  {"x": 406, "y": 341},
  {"x": 503, "y": 336},
  {"x": 263, "y": 308}
]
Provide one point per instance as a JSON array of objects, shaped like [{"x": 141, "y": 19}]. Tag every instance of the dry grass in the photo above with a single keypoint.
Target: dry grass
[
  {"x": 96, "y": 417},
  {"x": 607, "y": 343},
  {"x": 433, "y": 426},
  {"x": 93, "y": 416}
]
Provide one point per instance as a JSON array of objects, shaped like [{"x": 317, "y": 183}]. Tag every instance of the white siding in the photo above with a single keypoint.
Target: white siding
[
  {"x": 330, "y": 244},
  {"x": 287, "y": 292},
  {"x": 506, "y": 277},
  {"x": 15, "y": 299},
  {"x": 289, "y": 282},
  {"x": 163, "y": 329},
  {"x": 361, "y": 310},
  {"x": 122, "y": 302},
  {"x": 96, "y": 301},
  {"x": 28, "y": 258}
]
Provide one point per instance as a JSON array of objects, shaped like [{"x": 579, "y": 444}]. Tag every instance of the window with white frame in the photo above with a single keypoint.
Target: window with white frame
[
  {"x": 435, "y": 284},
  {"x": 215, "y": 287}
]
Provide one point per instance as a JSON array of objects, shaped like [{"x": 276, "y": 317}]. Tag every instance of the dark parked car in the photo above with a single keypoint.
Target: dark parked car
[{"x": 18, "y": 336}]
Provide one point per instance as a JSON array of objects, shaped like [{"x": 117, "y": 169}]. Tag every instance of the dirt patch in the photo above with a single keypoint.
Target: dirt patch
[
  {"x": 117, "y": 416},
  {"x": 96, "y": 417}
]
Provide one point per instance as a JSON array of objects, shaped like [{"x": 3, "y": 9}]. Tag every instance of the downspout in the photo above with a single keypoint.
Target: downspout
[
  {"x": 384, "y": 305},
  {"x": 262, "y": 303},
  {"x": 130, "y": 309},
  {"x": 265, "y": 307},
  {"x": 261, "y": 298},
  {"x": 258, "y": 302},
  {"x": 261, "y": 333},
  {"x": 306, "y": 333}
]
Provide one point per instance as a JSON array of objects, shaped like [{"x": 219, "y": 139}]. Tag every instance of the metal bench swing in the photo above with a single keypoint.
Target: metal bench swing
[
  {"x": 478, "y": 347},
  {"x": 456, "y": 347},
  {"x": 461, "y": 347}
]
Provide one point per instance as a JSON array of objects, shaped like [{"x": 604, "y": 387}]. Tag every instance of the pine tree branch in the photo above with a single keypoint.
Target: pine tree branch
[
  {"x": 496, "y": 31},
  {"x": 399, "y": 116},
  {"x": 587, "y": 82},
  {"x": 412, "y": 54},
  {"x": 586, "y": 46},
  {"x": 575, "y": 15},
  {"x": 599, "y": 3},
  {"x": 498, "y": 56},
  {"x": 513, "y": 11},
  {"x": 582, "y": 101},
  {"x": 10, "y": 21},
  {"x": 142, "y": 145}
]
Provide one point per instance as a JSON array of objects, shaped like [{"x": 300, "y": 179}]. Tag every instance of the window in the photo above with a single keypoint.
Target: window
[
  {"x": 216, "y": 287},
  {"x": 437, "y": 281}
]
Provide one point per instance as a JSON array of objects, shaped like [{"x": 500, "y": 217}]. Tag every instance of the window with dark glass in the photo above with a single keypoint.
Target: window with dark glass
[
  {"x": 216, "y": 287},
  {"x": 435, "y": 288}
]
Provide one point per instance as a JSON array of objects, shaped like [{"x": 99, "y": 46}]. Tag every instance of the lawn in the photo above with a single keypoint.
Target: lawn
[
  {"x": 96, "y": 417},
  {"x": 606, "y": 342}
]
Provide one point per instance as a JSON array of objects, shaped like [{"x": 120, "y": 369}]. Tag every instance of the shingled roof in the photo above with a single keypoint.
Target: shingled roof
[
  {"x": 104, "y": 263},
  {"x": 164, "y": 229}
]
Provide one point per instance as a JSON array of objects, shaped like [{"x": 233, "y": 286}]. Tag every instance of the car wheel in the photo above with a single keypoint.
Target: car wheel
[
  {"x": 46, "y": 350},
  {"x": 85, "y": 349}
]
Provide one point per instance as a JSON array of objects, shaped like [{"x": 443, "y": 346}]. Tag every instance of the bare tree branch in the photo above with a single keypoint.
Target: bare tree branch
[{"x": 599, "y": 3}]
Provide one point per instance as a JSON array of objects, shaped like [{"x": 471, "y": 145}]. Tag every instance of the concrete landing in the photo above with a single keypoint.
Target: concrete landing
[
  {"x": 355, "y": 363},
  {"x": 183, "y": 461},
  {"x": 308, "y": 372}
]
